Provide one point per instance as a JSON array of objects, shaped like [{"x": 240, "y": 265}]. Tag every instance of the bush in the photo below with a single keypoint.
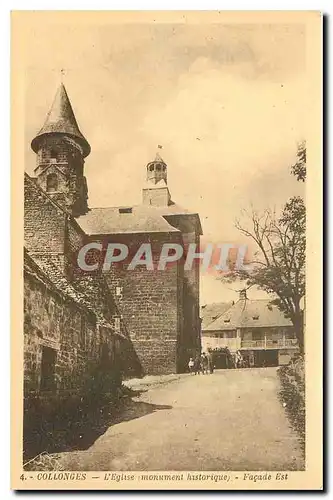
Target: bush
[
  {"x": 69, "y": 419},
  {"x": 292, "y": 395}
]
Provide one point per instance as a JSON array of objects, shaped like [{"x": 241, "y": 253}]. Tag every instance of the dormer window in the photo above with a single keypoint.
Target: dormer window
[
  {"x": 52, "y": 183},
  {"x": 126, "y": 210},
  {"x": 227, "y": 320},
  {"x": 255, "y": 317}
]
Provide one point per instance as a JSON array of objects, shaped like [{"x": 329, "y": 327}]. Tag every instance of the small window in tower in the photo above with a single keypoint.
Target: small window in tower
[
  {"x": 158, "y": 167},
  {"x": 51, "y": 183},
  {"x": 151, "y": 168},
  {"x": 53, "y": 154},
  {"x": 125, "y": 210}
]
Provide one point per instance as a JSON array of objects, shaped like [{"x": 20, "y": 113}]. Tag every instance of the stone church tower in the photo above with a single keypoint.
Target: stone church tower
[
  {"x": 157, "y": 309},
  {"x": 61, "y": 149}
]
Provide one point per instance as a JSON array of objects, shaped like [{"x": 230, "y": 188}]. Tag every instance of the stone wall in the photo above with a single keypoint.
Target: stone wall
[
  {"x": 190, "y": 343},
  {"x": 157, "y": 356},
  {"x": 62, "y": 158},
  {"x": 53, "y": 322},
  {"x": 148, "y": 303},
  {"x": 49, "y": 230},
  {"x": 44, "y": 222},
  {"x": 80, "y": 347},
  {"x": 158, "y": 308}
]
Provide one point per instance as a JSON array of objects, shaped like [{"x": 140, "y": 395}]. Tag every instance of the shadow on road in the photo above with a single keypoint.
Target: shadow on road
[{"x": 80, "y": 431}]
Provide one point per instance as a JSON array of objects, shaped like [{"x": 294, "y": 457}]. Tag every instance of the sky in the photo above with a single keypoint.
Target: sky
[{"x": 226, "y": 101}]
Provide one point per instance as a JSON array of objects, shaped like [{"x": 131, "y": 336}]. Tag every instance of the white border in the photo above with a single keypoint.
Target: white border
[{"x": 5, "y": 8}]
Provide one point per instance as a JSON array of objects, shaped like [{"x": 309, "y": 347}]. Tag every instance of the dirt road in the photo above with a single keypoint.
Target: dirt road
[{"x": 230, "y": 420}]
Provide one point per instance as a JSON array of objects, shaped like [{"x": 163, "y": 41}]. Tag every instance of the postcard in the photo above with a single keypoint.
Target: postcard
[{"x": 167, "y": 175}]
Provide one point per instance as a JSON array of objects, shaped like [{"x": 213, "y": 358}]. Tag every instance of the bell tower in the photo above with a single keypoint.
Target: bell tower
[
  {"x": 61, "y": 149},
  {"x": 157, "y": 170},
  {"x": 156, "y": 191}
]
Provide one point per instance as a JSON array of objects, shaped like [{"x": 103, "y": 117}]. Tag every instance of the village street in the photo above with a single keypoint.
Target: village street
[{"x": 230, "y": 420}]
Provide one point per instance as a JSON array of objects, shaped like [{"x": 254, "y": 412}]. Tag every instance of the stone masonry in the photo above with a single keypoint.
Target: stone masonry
[{"x": 150, "y": 316}]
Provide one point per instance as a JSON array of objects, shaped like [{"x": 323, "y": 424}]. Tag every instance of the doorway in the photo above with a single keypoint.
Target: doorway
[
  {"x": 267, "y": 358},
  {"x": 47, "y": 382}
]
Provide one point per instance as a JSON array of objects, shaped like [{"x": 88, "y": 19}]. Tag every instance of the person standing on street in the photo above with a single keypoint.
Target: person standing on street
[
  {"x": 197, "y": 365},
  {"x": 210, "y": 362},
  {"x": 191, "y": 366},
  {"x": 204, "y": 363}
]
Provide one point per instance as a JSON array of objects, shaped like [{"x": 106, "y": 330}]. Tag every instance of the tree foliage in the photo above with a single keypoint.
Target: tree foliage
[
  {"x": 278, "y": 264},
  {"x": 299, "y": 167}
]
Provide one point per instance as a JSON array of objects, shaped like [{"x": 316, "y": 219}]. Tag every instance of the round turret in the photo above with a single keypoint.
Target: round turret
[{"x": 157, "y": 170}]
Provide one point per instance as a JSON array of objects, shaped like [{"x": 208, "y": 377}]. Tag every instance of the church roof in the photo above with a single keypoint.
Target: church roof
[
  {"x": 248, "y": 313},
  {"x": 132, "y": 219},
  {"x": 61, "y": 120},
  {"x": 115, "y": 220}
]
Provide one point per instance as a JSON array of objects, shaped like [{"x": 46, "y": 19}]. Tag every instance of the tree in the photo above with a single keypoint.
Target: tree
[
  {"x": 299, "y": 167},
  {"x": 278, "y": 264}
]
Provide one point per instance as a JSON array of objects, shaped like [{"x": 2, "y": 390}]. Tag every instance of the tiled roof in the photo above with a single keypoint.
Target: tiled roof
[
  {"x": 115, "y": 220},
  {"x": 133, "y": 219},
  {"x": 249, "y": 314},
  {"x": 61, "y": 120},
  {"x": 46, "y": 271},
  {"x": 211, "y": 312},
  {"x": 84, "y": 294}
]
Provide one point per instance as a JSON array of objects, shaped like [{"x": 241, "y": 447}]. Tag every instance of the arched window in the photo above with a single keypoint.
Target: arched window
[
  {"x": 158, "y": 167},
  {"x": 151, "y": 167},
  {"x": 51, "y": 183}
]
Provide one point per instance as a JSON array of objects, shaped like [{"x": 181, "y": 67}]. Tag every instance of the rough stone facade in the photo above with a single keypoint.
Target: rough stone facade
[
  {"x": 150, "y": 305},
  {"x": 156, "y": 312},
  {"x": 59, "y": 172},
  {"x": 69, "y": 317},
  {"x": 55, "y": 325}
]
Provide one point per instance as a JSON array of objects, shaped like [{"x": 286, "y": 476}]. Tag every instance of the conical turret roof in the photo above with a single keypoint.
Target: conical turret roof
[
  {"x": 158, "y": 157},
  {"x": 61, "y": 120}
]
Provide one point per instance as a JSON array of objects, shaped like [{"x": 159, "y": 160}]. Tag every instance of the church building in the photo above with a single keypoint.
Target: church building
[{"x": 156, "y": 310}]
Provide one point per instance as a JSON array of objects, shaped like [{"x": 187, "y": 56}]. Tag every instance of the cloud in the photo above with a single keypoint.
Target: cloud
[
  {"x": 227, "y": 102},
  {"x": 223, "y": 133}
]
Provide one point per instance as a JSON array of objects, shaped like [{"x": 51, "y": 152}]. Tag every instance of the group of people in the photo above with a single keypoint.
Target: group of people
[{"x": 201, "y": 364}]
